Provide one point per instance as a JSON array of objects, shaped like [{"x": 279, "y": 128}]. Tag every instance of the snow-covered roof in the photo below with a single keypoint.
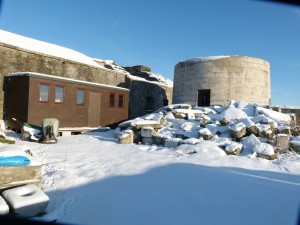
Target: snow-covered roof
[
  {"x": 51, "y": 77},
  {"x": 161, "y": 80},
  {"x": 45, "y": 48}
]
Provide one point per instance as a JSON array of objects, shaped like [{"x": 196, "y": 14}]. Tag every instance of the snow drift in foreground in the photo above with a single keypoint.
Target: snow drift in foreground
[{"x": 91, "y": 179}]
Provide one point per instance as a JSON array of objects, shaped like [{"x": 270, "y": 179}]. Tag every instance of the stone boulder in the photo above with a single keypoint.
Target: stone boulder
[
  {"x": 4, "y": 209},
  {"x": 147, "y": 132},
  {"x": 295, "y": 145},
  {"x": 237, "y": 131},
  {"x": 172, "y": 142},
  {"x": 147, "y": 140},
  {"x": 264, "y": 150},
  {"x": 233, "y": 148},
  {"x": 205, "y": 134},
  {"x": 281, "y": 142},
  {"x": 125, "y": 138}
]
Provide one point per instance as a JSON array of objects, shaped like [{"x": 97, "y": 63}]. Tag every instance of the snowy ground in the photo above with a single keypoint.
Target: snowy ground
[{"x": 91, "y": 179}]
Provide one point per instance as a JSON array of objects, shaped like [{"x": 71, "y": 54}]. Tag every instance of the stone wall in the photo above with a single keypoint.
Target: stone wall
[
  {"x": 228, "y": 78},
  {"x": 14, "y": 59},
  {"x": 295, "y": 111},
  {"x": 152, "y": 96},
  {"x": 141, "y": 95}
]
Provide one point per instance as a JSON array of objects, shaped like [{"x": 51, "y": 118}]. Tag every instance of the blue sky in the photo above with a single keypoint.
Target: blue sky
[{"x": 160, "y": 33}]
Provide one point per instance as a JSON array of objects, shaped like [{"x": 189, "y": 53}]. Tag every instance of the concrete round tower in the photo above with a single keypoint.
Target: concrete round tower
[{"x": 219, "y": 79}]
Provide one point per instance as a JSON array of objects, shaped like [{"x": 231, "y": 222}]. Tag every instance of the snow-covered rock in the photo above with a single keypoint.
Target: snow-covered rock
[
  {"x": 233, "y": 148},
  {"x": 172, "y": 142},
  {"x": 232, "y": 113},
  {"x": 4, "y": 209},
  {"x": 250, "y": 142},
  {"x": 249, "y": 109},
  {"x": 278, "y": 117},
  {"x": 205, "y": 133},
  {"x": 190, "y": 141},
  {"x": 147, "y": 132},
  {"x": 238, "y": 130},
  {"x": 187, "y": 126},
  {"x": 209, "y": 147},
  {"x": 264, "y": 148}
]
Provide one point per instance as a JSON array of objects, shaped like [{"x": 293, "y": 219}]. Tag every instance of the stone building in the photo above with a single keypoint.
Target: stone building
[
  {"x": 219, "y": 79},
  {"x": 293, "y": 111},
  {"x": 22, "y": 54}
]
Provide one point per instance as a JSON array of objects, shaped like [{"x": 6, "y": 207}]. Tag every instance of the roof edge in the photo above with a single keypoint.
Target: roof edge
[{"x": 53, "y": 77}]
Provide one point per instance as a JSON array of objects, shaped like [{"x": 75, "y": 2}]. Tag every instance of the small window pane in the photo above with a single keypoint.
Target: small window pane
[
  {"x": 44, "y": 93},
  {"x": 80, "y": 97},
  {"x": 59, "y": 94},
  {"x": 121, "y": 101},
  {"x": 112, "y": 100}
]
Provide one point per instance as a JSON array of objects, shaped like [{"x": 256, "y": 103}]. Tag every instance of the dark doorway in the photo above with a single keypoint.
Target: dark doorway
[
  {"x": 203, "y": 97},
  {"x": 165, "y": 102},
  {"x": 149, "y": 105}
]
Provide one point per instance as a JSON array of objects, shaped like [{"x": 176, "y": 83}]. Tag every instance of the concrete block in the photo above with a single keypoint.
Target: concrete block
[
  {"x": 205, "y": 133},
  {"x": 137, "y": 136},
  {"x": 147, "y": 132},
  {"x": 237, "y": 131},
  {"x": 295, "y": 146},
  {"x": 159, "y": 118},
  {"x": 147, "y": 140},
  {"x": 26, "y": 200},
  {"x": 11, "y": 176},
  {"x": 253, "y": 130},
  {"x": 124, "y": 138},
  {"x": 281, "y": 142},
  {"x": 269, "y": 157},
  {"x": 131, "y": 136},
  {"x": 172, "y": 142},
  {"x": 189, "y": 141},
  {"x": 117, "y": 132},
  {"x": 190, "y": 116},
  {"x": 233, "y": 148},
  {"x": 139, "y": 124},
  {"x": 224, "y": 121},
  {"x": 157, "y": 140},
  {"x": 66, "y": 133},
  {"x": 296, "y": 131},
  {"x": 4, "y": 209}
]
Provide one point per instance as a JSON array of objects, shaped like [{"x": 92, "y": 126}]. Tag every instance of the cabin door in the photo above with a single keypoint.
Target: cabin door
[
  {"x": 203, "y": 97},
  {"x": 94, "y": 109}
]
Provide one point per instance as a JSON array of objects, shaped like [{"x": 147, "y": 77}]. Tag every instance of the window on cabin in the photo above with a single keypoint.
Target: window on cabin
[
  {"x": 44, "y": 93},
  {"x": 111, "y": 100},
  {"x": 59, "y": 94},
  {"x": 121, "y": 101},
  {"x": 80, "y": 97}
]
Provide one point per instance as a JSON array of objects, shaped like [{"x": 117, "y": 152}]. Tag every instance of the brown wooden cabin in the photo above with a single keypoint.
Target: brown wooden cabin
[{"x": 31, "y": 97}]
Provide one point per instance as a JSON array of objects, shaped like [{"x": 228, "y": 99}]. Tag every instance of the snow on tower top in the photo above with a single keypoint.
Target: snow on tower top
[{"x": 203, "y": 59}]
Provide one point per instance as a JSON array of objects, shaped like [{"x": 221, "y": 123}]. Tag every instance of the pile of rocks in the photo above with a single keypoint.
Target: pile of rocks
[{"x": 235, "y": 128}]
